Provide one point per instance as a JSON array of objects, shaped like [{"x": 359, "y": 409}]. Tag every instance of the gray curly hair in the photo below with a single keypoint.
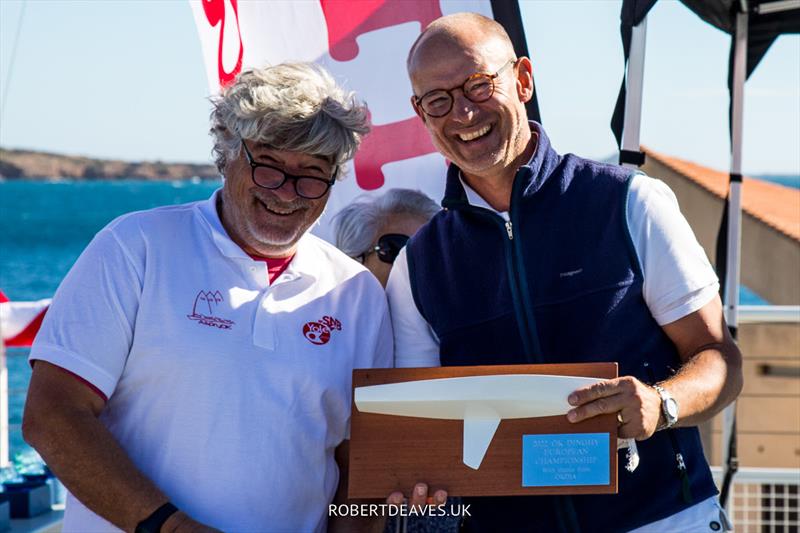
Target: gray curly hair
[
  {"x": 292, "y": 106},
  {"x": 356, "y": 226}
]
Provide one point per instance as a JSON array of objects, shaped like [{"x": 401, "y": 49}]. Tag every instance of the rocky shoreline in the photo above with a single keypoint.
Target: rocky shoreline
[{"x": 33, "y": 165}]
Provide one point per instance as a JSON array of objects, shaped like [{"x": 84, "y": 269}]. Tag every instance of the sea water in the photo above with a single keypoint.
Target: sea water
[{"x": 44, "y": 226}]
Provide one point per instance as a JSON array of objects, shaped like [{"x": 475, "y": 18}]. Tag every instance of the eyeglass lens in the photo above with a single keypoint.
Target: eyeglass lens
[
  {"x": 477, "y": 88},
  {"x": 272, "y": 178}
]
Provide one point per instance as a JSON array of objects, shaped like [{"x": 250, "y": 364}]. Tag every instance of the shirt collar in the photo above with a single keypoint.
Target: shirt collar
[
  {"x": 529, "y": 178},
  {"x": 476, "y": 200}
]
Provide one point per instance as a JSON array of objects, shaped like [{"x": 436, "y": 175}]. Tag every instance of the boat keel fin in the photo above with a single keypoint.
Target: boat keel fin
[{"x": 478, "y": 434}]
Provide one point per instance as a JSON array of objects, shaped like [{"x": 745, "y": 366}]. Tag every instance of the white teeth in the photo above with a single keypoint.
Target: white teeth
[
  {"x": 276, "y": 210},
  {"x": 474, "y": 135}
]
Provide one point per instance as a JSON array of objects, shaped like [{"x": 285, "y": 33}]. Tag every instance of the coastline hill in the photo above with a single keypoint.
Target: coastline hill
[{"x": 34, "y": 165}]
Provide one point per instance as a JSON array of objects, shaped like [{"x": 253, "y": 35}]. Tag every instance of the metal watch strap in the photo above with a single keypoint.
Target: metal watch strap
[
  {"x": 153, "y": 523},
  {"x": 665, "y": 397}
]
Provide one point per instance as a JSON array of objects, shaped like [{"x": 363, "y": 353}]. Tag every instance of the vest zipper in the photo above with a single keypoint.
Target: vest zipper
[
  {"x": 564, "y": 508},
  {"x": 566, "y": 516},
  {"x": 513, "y": 275},
  {"x": 523, "y": 294}
]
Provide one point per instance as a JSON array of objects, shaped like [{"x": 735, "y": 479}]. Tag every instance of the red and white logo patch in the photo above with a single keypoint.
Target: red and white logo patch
[{"x": 320, "y": 332}]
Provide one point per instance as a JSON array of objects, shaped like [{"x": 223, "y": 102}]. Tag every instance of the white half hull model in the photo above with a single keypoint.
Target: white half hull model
[{"x": 480, "y": 401}]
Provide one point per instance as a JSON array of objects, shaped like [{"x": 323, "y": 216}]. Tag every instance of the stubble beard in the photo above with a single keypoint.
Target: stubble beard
[
  {"x": 252, "y": 237},
  {"x": 268, "y": 238}
]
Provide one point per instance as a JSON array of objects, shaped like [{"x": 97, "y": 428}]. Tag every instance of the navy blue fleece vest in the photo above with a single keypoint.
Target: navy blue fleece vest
[{"x": 566, "y": 288}]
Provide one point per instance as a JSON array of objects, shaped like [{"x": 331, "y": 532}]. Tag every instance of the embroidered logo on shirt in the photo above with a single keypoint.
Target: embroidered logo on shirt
[
  {"x": 207, "y": 302},
  {"x": 570, "y": 273},
  {"x": 320, "y": 332}
]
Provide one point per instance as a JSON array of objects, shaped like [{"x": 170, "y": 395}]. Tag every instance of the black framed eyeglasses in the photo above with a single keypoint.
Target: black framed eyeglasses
[
  {"x": 477, "y": 88},
  {"x": 270, "y": 177},
  {"x": 388, "y": 247}
]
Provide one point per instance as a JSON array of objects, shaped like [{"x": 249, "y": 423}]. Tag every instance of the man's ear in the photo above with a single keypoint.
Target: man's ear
[
  {"x": 524, "y": 72},
  {"x": 417, "y": 110}
]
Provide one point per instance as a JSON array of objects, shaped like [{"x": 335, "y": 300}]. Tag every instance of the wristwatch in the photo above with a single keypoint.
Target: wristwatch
[{"x": 669, "y": 407}]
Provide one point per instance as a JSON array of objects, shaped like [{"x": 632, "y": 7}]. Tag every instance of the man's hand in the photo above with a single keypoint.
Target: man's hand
[
  {"x": 638, "y": 406},
  {"x": 419, "y": 497},
  {"x": 709, "y": 378}
]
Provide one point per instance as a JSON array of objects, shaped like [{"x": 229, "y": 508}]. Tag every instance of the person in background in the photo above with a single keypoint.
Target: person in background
[
  {"x": 546, "y": 258},
  {"x": 194, "y": 370},
  {"x": 372, "y": 230}
]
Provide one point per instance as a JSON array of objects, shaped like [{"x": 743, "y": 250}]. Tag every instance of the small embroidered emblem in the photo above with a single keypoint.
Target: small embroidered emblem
[
  {"x": 570, "y": 273},
  {"x": 320, "y": 332},
  {"x": 207, "y": 301}
]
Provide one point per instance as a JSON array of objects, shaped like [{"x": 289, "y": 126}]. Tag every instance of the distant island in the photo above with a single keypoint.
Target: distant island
[
  {"x": 33, "y": 165},
  {"x": 41, "y": 166}
]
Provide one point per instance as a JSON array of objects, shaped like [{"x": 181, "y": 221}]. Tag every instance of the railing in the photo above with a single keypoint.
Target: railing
[
  {"x": 775, "y": 314},
  {"x": 764, "y": 500}
]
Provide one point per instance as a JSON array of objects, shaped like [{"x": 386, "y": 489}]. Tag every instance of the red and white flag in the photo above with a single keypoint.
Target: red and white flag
[
  {"x": 364, "y": 45},
  {"x": 20, "y": 321}
]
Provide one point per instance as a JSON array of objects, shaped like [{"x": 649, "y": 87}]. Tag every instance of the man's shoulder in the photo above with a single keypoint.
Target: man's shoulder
[
  {"x": 154, "y": 219},
  {"x": 596, "y": 169},
  {"x": 432, "y": 229}
]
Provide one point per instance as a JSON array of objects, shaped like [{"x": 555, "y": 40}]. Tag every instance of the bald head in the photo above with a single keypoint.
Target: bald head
[
  {"x": 459, "y": 31},
  {"x": 465, "y": 66}
]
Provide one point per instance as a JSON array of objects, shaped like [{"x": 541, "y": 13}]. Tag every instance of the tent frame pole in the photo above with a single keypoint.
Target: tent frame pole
[
  {"x": 634, "y": 83},
  {"x": 733, "y": 264},
  {"x": 734, "y": 237}
]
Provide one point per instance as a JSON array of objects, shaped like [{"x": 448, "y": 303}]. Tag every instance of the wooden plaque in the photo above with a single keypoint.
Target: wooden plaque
[{"x": 389, "y": 453}]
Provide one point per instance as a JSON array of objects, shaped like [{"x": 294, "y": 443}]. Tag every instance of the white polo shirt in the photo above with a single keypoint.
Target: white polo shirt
[{"x": 230, "y": 394}]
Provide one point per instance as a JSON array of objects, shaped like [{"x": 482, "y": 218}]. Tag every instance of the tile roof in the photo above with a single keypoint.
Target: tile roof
[{"x": 776, "y": 205}]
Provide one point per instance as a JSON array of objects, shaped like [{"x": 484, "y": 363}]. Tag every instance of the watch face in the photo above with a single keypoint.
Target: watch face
[{"x": 672, "y": 408}]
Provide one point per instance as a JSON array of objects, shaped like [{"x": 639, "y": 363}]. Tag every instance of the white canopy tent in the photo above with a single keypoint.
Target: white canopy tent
[{"x": 754, "y": 25}]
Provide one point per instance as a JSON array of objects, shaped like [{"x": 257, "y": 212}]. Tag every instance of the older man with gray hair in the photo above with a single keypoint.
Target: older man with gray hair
[{"x": 194, "y": 369}]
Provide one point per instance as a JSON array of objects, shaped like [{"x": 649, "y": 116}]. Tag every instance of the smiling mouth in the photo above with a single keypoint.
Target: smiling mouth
[
  {"x": 278, "y": 211},
  {"x": 467, "y": 137}
]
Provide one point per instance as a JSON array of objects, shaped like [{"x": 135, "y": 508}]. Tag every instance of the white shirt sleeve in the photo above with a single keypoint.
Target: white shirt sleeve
[
  {"x": 678, "y": 278},
  {"x": 88, "y": 329},
  {"x": 415, "y": 343}
]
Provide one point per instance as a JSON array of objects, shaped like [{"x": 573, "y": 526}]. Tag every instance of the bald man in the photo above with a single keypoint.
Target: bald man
[{"x": 544, "y": 258}]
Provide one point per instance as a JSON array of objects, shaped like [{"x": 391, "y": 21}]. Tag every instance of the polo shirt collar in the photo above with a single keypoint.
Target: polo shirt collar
[{"x": 303, "y": 264}]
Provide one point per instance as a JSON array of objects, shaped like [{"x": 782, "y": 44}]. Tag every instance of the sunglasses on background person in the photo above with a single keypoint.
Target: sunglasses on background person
[{"x": 388, "y": 247}]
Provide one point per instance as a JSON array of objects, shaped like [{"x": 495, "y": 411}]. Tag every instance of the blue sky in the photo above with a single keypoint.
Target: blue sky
[{"x": 125, "y": 79}]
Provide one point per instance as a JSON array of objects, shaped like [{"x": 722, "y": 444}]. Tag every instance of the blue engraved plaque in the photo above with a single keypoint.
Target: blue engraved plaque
[{"x": 565, "y": 460}]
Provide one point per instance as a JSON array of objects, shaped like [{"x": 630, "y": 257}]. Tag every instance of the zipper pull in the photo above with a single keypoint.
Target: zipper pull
[
  {"x": 510, "y": 231},
  {"x": 686, "y": 488}
]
